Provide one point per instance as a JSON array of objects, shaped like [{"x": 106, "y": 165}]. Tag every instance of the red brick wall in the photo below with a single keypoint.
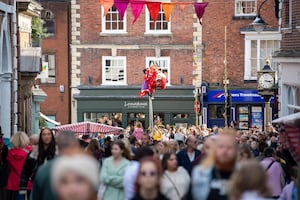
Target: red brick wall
[
  {"x": 180, "y": 60},
  {"x": 291, "y": 41},
  {"x": 217, "y": 16},
  {"x": 58, "y": 103}
]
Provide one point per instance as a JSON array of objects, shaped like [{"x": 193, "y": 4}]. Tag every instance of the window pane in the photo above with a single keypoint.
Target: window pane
[
  {"x": 216, "y": 111},
  {"x": 115, "y": 71},
  {"x": 112, "y": 21},
  {"x": 245, "y": 7}
]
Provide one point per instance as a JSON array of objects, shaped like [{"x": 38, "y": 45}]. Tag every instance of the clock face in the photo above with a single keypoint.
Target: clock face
[{"x": 266, "y": 81}]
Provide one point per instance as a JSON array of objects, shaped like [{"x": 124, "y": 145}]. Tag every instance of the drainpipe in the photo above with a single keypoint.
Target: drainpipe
[{"x": 15, "y": 68}]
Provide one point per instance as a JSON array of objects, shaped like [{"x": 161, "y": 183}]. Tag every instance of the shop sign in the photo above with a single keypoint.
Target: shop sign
[
  {"x": 135, "y": 104},
  {"x": 237, "y": 96}
]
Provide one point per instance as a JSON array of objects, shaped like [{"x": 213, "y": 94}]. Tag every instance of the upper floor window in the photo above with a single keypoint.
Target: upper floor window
[
  {"x": 160, "y": 26},
  {"x": 259, "y": 48},
  {"x": 114, "y": 70},
  {"x": 163, "y": 63},
  {"x": 111, "y": 23},
  {"x": 49, "y": 62},
  {"x": 245, "y": 7},
  {"x": 49, "y": 22},
  {"x": 286, "y": 14}
]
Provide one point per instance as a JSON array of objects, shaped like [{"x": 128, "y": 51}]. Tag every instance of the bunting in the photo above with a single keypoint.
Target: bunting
[
  {"x": 137, "y": 8},
  {"x": 199, "y": 9},
  {"x": 107, "y": 4},
  {"x": 121, "y": 6},
  {"x": 152, "y": 6},
  {"x": 168, "y": 8}
]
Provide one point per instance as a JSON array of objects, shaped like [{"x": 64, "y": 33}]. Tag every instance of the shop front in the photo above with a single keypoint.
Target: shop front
[
  {"x": 122, "y": 106},
  {"x": 246, "y": 108}
]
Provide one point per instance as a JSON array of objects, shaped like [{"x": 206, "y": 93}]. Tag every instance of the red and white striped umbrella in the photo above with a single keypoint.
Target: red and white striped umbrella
[{"x": 83, "y": 128}]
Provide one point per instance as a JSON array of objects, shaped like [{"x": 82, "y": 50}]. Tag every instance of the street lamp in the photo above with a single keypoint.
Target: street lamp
[{"x": 258, "y": 23}]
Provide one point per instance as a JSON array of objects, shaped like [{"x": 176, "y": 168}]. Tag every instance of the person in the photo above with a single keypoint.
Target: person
[
  {"x": 176, "y": 180},
  {"x": 94, "y": 149},
  {"x": 132, "y": 170},
  {"x": 45, "y": 151},
  {"x": 107, "y": 147},
  {"x": 187, "y": 156},
  {"x": 289, "y": 192},
  {"x": 113, "y": 171},
  {"x": 210, "y": 179},
  {"x": 173, "y": 146},
  {"x": 138, "y": 130},
  {"x": 179, "y": 136},
  {"x": 67, "y": 145},
  {"x": 244, "y": 153},
  {"x": 274, "y": 171},
  {"x": 75, "y": 177},
  {"x": 145, "y": 139},
  {"x": 148, "y": 180},
  {"x": 3, "y": 167},
  {"x": 249, "y": 182},
  {"x": 254, "y": 148},
  {"x": 15, "y": 159}
]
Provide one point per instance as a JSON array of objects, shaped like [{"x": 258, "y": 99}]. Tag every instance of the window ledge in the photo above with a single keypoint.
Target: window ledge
[
  {"x": 298, "y": 28},
  {"x": 243, "y": 17},
  {"x": 250, "y": 81},
  {"x": 158, "y": 34},
  {"x": 286, "y": 30},
  {"x": 114, "y": 34}
]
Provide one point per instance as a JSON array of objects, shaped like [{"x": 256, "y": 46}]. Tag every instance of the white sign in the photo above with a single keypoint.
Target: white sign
[
  {"x": 45, "y": 71},
  {"x": 135, "y": 104}
]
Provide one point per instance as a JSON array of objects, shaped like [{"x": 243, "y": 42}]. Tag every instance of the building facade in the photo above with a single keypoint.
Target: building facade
[
  {"x": 289, "y": 57},
  {"x": 8, "y": 68},
  {"x": 108, "y": 56},
  {"x": 55, "y": 56},
  {"x": 246, "y": 52}
]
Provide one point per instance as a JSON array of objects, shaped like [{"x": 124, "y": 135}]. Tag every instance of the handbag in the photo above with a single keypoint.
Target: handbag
[{"x": 101, "y": 191}]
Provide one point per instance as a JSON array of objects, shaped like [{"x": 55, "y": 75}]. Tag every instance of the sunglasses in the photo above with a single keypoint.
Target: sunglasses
[{"x": 151, "y": 173}]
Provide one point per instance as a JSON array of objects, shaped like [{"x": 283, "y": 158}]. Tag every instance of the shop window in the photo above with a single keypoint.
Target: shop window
[
  {"x": 158, "y": 118},
  {"x": 114, "y": 70},
  {"x": 132, "y": 118},
  {"x": 160, "y": 26},
  {"x": 163, "y": 63},
  {"x": 216, "y": 111},
  {"x": 111, "y": 23},
  {"x": 49, "y": 60},
  {"x": 258, "y": 49},
  {"x": 180, "y": 115},
  {"x": 245, "y": 7},
  {"x": 112, "y": 119}
]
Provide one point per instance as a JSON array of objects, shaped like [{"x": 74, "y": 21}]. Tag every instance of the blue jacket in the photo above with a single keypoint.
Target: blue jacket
[
  {"x": 184, "y": 160},
  {"x": 201, "y": 178}
]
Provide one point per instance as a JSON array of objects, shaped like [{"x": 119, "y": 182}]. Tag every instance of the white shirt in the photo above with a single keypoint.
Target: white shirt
[
  {"x": 180, "y": 178},
  {"x": 130, "y": 177}
]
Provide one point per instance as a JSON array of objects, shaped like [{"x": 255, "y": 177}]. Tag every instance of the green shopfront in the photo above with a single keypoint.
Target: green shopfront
[{"x": 122, "y": 104}]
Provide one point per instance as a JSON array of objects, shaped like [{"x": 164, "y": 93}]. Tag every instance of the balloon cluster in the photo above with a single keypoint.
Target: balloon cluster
[{"x": 153, "y": 78}]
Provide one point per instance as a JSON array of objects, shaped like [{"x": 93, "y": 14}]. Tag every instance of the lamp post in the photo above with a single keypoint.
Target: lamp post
[
  {"x": 266, "y": 82},
  {"x": 258, "y": 23}
]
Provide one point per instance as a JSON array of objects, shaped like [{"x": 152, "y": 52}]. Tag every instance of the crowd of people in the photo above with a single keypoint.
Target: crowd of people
[{"x": 168, "y": 163}]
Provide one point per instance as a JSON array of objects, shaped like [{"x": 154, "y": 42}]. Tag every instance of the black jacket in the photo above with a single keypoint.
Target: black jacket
[
  {"x": 159, "y": 197},
  {"x": 3, "y": 167},
  {"x": 29, "y": 169}
]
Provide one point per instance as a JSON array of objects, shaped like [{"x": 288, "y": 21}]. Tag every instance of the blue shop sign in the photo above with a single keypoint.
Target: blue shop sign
[{"x": 237, "y": 96}]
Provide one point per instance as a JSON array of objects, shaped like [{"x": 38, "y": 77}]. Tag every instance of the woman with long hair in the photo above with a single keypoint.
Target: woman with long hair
[
  {"x": 94, "y": 149},
  {"x": 113, "y": 170},
  {"x": 249, "y": 182},
  {"x": 148, "y": 180},
  {"x": 176, "y": 180},
  {"x": 45, "y": 151},
  {"x": 15, "y": 159}
]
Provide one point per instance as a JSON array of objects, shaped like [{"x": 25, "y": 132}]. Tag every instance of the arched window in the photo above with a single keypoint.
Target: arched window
[{"x": 49, "y": 22}]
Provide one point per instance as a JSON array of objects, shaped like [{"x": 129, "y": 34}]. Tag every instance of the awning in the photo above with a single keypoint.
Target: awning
[
  {"x": 291, "y": 120},
  {"x": 49, "y": 120}
]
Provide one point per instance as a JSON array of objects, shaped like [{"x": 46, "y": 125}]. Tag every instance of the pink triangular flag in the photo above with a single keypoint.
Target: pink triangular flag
[
  {"x": 121, "y": 6},
  {"x": 137, "y": 8},
  {"x": 200, "y": 9},
  {"x": 154, "y": 8},
  {"x": 182, "y": 6}
]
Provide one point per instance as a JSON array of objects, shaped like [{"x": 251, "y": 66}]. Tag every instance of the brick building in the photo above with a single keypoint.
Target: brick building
[
  {"x": 289, "y": 58},
  {"x": 55, "y": 55},
  {"x": 247, "y": 51},
  {"x": 108, "y": 56}
]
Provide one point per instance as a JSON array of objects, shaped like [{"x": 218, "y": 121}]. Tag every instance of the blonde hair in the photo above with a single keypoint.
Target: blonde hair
[
  {"x": 250, "y": 177},
  {"x": 210, "y": 159},
  {"x": 20, "y": 139}
]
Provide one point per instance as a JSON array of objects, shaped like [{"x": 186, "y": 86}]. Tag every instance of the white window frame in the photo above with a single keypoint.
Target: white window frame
[
  {"x": 286, "y": 27},
  {"x": 104, "y": 58},
  {"x": 157, "y": 59},
  {"x": 147, "y": 22},
  {"x": 114, "y": 31},
  {"x": 238, "y": 6},
  {"x": 50, "y": 79},
  {"x": 250, "y": 36}
]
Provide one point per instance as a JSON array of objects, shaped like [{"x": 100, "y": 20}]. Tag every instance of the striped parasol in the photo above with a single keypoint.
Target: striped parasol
[{"x": 84, "y": 128}]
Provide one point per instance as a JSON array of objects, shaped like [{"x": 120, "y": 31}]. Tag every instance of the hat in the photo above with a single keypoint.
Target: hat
[{"x": 83, "y": 165}]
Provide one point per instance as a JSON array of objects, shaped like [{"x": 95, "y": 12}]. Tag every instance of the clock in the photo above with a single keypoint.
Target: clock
[{"x": 266, "y": 81}]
